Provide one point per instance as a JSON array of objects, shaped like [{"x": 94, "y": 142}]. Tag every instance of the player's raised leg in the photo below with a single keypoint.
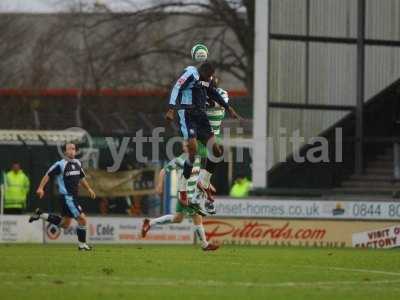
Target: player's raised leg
[
  {"x": 73, "y": 210},
  {"x": 166, "y": 219},
  {"x": 211, "y": 163},
  {"x": 204, "y": 189},
  {"x": 215, "y": 114},
  {"x": 51, "y": 218},
  {"x": 190, "y": 148}
]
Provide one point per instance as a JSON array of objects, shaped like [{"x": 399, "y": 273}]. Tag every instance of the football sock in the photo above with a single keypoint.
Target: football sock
[
  {"x": 81, "y": 233},
  {"x": 199, "y": 231},
  {"x": 162, "y": 220}
]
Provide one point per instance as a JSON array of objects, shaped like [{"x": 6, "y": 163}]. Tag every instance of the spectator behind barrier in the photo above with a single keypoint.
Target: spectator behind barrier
[
  {"x": 241, "y": 187},
  {"x": 16, "y": 185}
]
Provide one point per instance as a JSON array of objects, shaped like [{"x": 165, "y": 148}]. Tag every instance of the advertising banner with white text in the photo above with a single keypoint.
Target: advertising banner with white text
[{"x": 123, "y": 230}]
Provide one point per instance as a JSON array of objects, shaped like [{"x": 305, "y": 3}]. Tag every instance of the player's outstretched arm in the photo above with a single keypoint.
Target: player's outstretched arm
[
  {"x": 42, "y": 184},
  {"x": 54, "y": 170},
  {"x": 86, "y": 185},
  {"x": 234, "y": 114},
  {"x": 213, "y": 93}
]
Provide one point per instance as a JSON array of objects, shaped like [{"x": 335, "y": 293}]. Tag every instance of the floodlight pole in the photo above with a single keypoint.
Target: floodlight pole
[
  {"x": 260, "y": 94},
  {"x": 359, "y": 145}
]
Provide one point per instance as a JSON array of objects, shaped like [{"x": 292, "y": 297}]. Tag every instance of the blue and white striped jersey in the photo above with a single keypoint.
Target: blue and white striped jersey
[
  {"x": 68, "y": 174},
  {"x": 191, "y": 92}
]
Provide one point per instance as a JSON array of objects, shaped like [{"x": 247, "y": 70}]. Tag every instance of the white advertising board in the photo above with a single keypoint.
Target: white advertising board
[
  {"x": 17, "y": 229},
  {"x": 388, "y": 237},
  {"x": 307, "y": 209},
  {"x": 120, "y": 230}
]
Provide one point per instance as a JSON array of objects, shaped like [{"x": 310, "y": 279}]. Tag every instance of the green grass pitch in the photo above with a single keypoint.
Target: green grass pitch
[{"x": 184, "y": 272}]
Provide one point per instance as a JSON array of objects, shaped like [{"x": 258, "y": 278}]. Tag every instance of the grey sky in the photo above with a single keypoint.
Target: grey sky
[{"x": 47, "y": 6}]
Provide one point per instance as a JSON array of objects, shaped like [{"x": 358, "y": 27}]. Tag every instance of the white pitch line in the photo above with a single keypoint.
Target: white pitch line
[
  {"x": 352, "y": 270},
  {"x": 366, "y": 271},
  {"x": 115, "y": 280},
  {"x": 327, "y": 268},
  {"x": 320, "y": 268},
  {"x": 316, "y": 267},
  {"x": 200, "y": 283},
  {"x": 233, "y": 263}
]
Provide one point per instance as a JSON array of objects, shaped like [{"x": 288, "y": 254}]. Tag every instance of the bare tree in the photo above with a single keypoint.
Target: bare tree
[
  {"x": 13, "y": 35},
  {"x": 226, "y": 26},
  {"x": 150, "y": 45}
]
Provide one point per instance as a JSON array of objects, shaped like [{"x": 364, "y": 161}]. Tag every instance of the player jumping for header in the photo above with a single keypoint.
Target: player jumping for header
[
  {"x": 69, "y": 174},
  {"x": 189, "y": 97}
]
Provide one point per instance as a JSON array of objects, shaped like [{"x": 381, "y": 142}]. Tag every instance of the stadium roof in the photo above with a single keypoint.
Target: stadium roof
[{"x": 40, "y": 137}]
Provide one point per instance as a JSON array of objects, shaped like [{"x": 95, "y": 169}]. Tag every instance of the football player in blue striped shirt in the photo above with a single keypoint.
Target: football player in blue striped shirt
[{"x": 69, "y": 175}]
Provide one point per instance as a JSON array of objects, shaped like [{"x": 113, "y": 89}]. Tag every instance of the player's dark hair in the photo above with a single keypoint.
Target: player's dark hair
[
  {"x": 64, "y": 146},
  {"x": 206, "y": 70}
]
